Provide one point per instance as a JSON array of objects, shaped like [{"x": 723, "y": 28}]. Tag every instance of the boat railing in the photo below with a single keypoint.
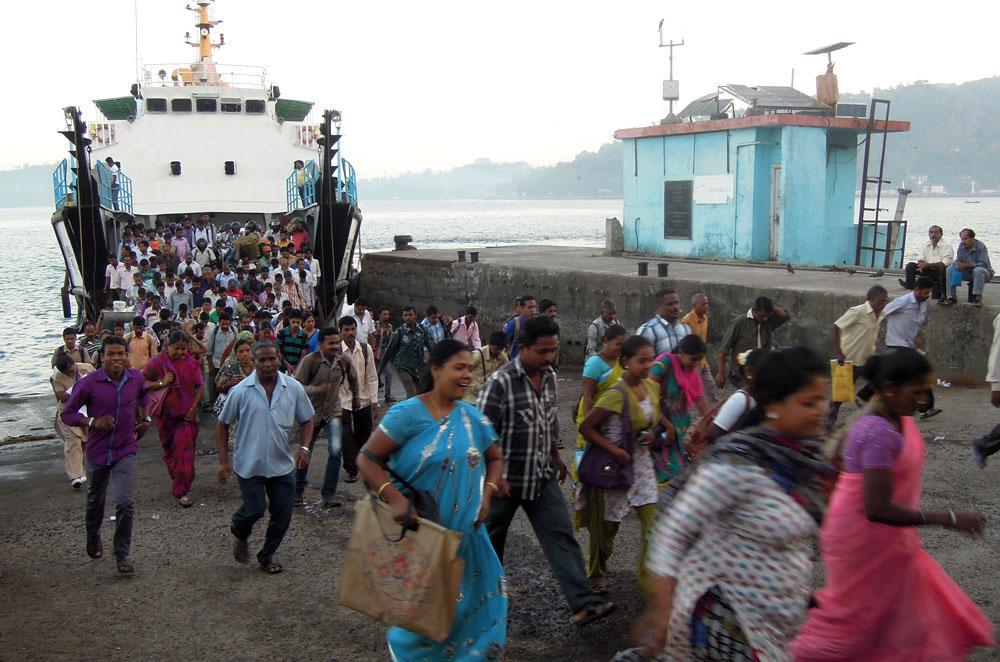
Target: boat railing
[
  {"x": 300, "y": 186},
  {"x": 114, "y": 188},
  {"x": 193, "y": 75},
  {"x": 64, "y": 183}
]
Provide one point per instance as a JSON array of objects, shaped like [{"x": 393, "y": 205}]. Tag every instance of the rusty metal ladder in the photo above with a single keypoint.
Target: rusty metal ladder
[{"x": 887, "y": 237}]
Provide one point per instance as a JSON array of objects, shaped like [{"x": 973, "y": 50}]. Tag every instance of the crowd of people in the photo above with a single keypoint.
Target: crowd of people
[{"x": 733, "y": 474}]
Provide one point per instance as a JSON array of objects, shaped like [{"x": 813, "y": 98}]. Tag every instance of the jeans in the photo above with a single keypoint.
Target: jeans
[
  {"x": 332, "y": 474},
  {"x": 409, "y": 383},
  {"x": 123, "y": 471},
  {"x": 357, "y": 427},
  {"x": 978, "y": 276},
  {"x": 549, "y": 517},
  {"x": 275, "y": 494},
  {"x": 386, "y": 376}
]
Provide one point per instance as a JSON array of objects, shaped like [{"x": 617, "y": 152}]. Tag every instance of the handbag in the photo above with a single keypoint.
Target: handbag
[
  {"x": 412, "y": 582},
  {"x": 842, "y": 381},
  {"x": 421, "y": 501},
  {"x": 600, "y": 468},
  {"x": 154, "y": 400}
]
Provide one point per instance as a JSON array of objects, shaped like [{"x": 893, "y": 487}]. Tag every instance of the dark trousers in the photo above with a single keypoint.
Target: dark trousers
[
  {"x": 990, "y": 443},
  {"x": 937, "y": 274},
  {"x": 549, "y": 517},
  {"x": 357, "y": 427},
  {"x": 99, "y": 475},
  {"x": 273, "y": 494},
  {"x": 331, "y": 476}
]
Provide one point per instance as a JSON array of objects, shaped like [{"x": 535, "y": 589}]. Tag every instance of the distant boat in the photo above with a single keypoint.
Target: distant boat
[{"x": 972, "y": 202}]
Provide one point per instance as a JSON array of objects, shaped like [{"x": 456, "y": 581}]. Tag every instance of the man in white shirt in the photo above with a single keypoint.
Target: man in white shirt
[
  {"x": 357, "y": 418},
  {"x": 110, "y": 280},
  {"x": 144, "y": 253},
  {"x": 124, "y": 275},
  {"x": 204, "y": 230},
  {"x": 311, "y": 262},
  {"x": 189, "y": 263},
  {"x": 203, "y": 253},
  {"x": 366, "y": 325},
  {"x": 935, "y": 258}
]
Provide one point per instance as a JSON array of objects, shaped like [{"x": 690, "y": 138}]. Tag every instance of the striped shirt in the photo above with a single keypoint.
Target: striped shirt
[
  {"x": 663, "y": 334},
  {"x": 525, "y": 421},
  {"x": 292, "y": 347}
]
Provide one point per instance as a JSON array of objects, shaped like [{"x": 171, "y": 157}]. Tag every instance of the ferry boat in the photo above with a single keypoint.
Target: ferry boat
[{"x": 203, "y": 138}]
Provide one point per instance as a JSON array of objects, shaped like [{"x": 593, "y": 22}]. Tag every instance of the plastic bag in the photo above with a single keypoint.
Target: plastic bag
[{"x": 842, "y": 380}]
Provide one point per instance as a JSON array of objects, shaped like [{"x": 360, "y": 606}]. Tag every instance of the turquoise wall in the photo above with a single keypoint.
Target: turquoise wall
[{"x": 817, "y": 203}]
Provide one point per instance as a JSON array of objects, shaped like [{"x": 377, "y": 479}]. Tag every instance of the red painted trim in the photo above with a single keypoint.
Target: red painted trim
[{"x": 850, "y": 123}]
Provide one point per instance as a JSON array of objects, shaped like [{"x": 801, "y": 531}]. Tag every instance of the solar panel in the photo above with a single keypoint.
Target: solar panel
[{"x": 772, "y": 97}]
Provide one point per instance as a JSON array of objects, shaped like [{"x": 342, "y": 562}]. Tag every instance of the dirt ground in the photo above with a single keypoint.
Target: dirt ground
[{"x": 190, "y": 600}]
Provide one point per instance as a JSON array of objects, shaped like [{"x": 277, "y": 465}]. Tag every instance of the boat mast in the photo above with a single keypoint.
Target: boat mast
[{"x": 204, "y": 68}]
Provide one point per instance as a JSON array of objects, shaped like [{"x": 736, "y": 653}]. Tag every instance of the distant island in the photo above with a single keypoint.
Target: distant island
[{"x": 950, "y": 150}]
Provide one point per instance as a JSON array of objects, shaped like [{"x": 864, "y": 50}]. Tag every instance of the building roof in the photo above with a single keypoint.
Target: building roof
[
  {"x": 772, "y": 97},
  {"x": 755, "y": 121}
]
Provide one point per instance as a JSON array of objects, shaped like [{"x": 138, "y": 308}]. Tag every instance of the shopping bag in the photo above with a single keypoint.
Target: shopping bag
[
  {"x": 409, "y": 578},
  {"x": 842, "y": 378}
]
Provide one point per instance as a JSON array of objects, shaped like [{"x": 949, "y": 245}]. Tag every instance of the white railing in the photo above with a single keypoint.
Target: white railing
[
  {"x": 306, "y": 135},
  {"x": 102, "y": 134},
  {"x": 192, "y": 75}
]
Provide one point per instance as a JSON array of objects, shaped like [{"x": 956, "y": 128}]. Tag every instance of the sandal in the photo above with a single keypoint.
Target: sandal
[
  {"x": 600, "y": 589},
  {"x": 591, "y": 613},
  {"x": 241, "y": 550},
  {"x": 125, "y": 568},
  {"x": 297, "y": 501},
  {"x": 947, "y": 302},
  {"x": 95, "y": 549},
  {"x": 271, "y": 568},
  {"x": 185, "y": 501},
  {"x": 930, "y": 414}
]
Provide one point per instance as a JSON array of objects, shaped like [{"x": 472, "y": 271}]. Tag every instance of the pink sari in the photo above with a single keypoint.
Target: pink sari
[
  {"x": 885, "y": 597},
  {"x": 177, "y": 436}
]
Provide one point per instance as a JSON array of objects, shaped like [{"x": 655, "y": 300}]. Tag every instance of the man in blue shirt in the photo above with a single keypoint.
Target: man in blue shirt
[
  {"x": 266, "y": 405},
  {"x": 512, "y": 329},
  {"x": 972, "y": 263},
  {"x": 905, "y": 318},
  {"x": 436, "y": 329}
]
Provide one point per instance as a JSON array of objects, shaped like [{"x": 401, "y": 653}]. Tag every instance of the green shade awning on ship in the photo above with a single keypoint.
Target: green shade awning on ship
[
  {"x": 291, "y": 110},
  {"x": 120, "y": 108}
]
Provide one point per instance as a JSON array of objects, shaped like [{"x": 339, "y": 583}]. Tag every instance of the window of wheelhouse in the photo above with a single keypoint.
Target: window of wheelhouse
[
  {"x": 231, "y": 106},
  {"x": 180, "y": 105},
  {"x": 156, "y": 105},
  {"x": 206, "y": 105},
  {"x": 256, "y": 106}
]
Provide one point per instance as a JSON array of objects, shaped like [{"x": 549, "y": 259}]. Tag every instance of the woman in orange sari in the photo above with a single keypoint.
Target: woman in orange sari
[{"x": 885, "y": 598}]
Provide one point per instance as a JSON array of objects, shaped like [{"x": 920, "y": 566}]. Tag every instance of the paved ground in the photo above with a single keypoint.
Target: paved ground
[{"x": 189, "y": 600}]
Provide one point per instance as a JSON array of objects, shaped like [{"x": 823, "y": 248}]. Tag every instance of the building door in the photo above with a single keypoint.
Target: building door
[{"x": 775, "y": 211}]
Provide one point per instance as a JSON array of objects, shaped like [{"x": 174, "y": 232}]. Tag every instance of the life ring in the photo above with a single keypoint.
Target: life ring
[
  {"x": 103, "y": 134},
  {"x": 306, "y": 135}
]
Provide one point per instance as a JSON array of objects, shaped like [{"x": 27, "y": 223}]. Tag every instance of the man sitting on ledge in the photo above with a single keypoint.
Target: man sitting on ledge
[
  {"x": 972, "y": 263},
  {"x": 934, "y": 261}
]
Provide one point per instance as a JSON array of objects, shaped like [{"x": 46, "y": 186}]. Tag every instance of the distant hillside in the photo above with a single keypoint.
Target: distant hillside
[
  {"x": 27, "y": 186},
  {"x": 953, "y": 143}
]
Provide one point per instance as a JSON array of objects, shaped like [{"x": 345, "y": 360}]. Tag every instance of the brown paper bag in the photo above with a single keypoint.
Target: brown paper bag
[{"x": 412, "y": 582}]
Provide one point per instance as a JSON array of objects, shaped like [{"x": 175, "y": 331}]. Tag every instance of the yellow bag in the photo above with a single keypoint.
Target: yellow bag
[
  {"x": 842, "y": 378},
  {"x": 410, "y": 580}
]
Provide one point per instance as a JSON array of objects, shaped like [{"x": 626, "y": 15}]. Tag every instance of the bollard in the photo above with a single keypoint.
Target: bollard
[
  {"x": 643, "y": 268},
  {"x": 461, "y": 256},
  {"x": 661, "y": 269},
  {"x": 474, "y": 256}
]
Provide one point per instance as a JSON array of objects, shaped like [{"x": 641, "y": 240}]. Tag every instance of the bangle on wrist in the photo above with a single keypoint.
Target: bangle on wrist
[
  {"x": 954, "y": 521},
  {"x": 306, "y": 449},
  {"x": 494, "y": 486},
  {"x": 382, "y": 487}
]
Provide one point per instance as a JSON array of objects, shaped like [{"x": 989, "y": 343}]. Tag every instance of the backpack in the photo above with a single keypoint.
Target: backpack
[{"x": 697, "y": 438}]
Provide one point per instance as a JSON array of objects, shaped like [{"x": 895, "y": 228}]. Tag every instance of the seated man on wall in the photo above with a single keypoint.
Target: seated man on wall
[
  {"x": 935, "y": 258},
  {"x": 972, "y": 263}
]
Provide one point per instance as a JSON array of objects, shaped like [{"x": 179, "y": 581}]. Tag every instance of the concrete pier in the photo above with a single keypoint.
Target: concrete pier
[{"x": 578, "y": 279}]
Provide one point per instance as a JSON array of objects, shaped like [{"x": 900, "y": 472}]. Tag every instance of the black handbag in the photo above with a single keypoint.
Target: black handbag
[
  {"x": 600, "y": 468},
  {"x": 421, "y": 501}
]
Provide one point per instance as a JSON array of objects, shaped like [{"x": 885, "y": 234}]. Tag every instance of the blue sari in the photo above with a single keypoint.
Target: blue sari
[{"x": 447, "y": 459}]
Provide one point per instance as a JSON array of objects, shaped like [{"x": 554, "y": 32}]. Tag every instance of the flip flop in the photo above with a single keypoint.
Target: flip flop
[
  {"x": 600, "y": 589},
  {"x": 241, "y": 550},
  {"x": 947, "y": 302},
  {"x": 125, "y": 568},
  {"x": 272, "y": 568},
  {"x": 185, "y": 501},
  {"x": 95, "y": 549},
  {"x": 593, "y": 612},
  {"x": 930, "y": 414}
]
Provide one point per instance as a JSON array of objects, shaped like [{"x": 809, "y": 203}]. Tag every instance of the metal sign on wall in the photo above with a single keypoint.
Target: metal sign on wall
[{"x": 677, "y": 197}]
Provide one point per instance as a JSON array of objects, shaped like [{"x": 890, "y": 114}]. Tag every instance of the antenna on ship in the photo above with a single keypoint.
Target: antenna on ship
[
  {"x": 204, "y": 69},
  {"x": 671, "y": 87}
]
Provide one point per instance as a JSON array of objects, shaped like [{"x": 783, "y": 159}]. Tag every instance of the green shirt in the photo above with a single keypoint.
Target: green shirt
[{"x": 406, "y": 350}]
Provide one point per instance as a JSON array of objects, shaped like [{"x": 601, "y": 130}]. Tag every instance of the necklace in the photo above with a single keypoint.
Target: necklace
[{"x": 437, "y": 411}]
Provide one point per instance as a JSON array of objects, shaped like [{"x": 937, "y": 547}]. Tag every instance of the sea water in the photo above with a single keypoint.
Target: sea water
[{"x": 31, "y": 266}]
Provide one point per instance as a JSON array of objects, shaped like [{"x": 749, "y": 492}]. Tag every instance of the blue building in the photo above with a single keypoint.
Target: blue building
[{"x": 777, "y": 186}]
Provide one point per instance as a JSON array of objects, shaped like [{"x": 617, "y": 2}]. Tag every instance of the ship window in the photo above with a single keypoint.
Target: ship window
[
  {"x": 175, "y": 168},
  {"x": 180, "y": 105},
  {"x": 255, "y": 106},
  {"x": 231, "y": 106},
  {"x": 156, "y": 105},
  {"x": 229, "y": 167},
  {"x": 205, "y": 105}
]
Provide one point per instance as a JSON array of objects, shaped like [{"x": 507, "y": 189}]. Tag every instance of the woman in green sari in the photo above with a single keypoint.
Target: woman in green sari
[{"x": 680, "y": 391}]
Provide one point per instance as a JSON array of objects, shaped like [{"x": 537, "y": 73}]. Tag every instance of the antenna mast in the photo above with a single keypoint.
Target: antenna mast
[{"x": 671, "y": 87}]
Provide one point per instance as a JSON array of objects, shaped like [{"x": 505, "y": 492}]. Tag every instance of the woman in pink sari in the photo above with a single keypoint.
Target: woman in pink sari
[
  {"x": 885, "y": 597},
  {"x": 177, "y": 420}
]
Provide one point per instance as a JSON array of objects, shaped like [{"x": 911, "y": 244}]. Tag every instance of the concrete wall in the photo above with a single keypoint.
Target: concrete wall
[
  {"x": 817, "y": 204},
  {"x": 958, "y": 343}
]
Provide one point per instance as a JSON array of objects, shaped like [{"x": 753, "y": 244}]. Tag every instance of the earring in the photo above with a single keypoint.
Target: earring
[{"x": 771, "y": 416}]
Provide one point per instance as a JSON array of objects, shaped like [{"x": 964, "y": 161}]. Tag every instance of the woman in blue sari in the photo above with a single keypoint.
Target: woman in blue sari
[{"x": 448, "y": 448}]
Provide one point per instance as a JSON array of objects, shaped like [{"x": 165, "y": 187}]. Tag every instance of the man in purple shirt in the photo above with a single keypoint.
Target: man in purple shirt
[{"x": 112, "y": 395}]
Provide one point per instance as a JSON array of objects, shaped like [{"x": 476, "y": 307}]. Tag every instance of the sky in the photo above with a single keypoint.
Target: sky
[{"x": 436, "y": 84}]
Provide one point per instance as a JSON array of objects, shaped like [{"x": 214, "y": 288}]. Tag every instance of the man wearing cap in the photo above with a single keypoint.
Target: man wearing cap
[{"x": 204, "y": 231}]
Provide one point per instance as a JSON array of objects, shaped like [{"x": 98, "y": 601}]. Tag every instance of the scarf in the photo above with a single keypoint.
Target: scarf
[
  {"x": 689, "y": 381},
  {"x": 231, "y": 359},
  {"x": 798, "y": 467}
]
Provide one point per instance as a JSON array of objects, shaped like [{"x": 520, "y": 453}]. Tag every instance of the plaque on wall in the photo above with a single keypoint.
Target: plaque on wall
[{"x": 677, "y": 209}]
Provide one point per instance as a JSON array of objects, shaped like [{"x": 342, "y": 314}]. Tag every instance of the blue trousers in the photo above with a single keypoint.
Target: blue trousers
[{"x": 332, "y": 428}]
